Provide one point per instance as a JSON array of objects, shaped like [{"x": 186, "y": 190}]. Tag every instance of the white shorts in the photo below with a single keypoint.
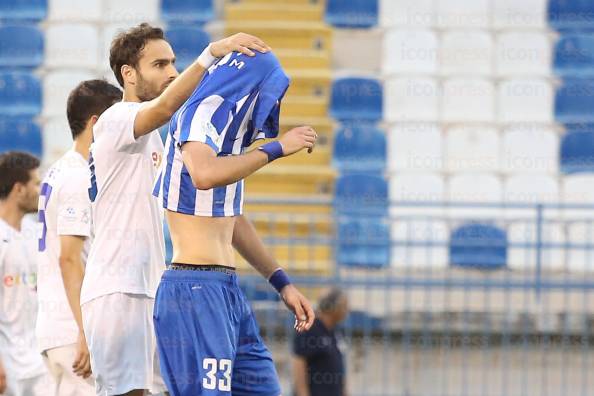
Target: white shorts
[
  {"x": 121, "y": 339},
  {"x": 35, "y": 386},
  {"x": 59, "y": 362}
]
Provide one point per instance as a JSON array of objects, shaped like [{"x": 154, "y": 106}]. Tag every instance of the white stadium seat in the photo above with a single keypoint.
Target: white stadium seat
[
  {"x": 472, "y": 147},
  {"x": 581, "y": 259},
  {"x": 411, "y": 99},
  {"x": 415, "y": 147},
  {"x": 530, "y": 149},
  {"x": 131, "y": 11},
  {"x": 463, "y": 13},
  {"x": 523, "y": 54},
  {"x": 74, "y": 10},
  {"x": 405, "y": 232},
  {"x": 468, "y": 100},
  {"x": 56, "y": 88},
  {"x": 532, "y": 189},
  {"x": 416, "y": 187},
  {"x": 475, "y": 188},
  {"x": 577, "y": 190},
  {"x": 466, "y": 53},
  {"x": 410, "y": 51},
  {"x": 529, "y": 100},
  {"x": 72, "y": 45},
  {"x": 57, "y": 138},
  {"x": 409, "y": 13},
  {"x": 520, "y": 14},
  {"x": 524, "y": 258}
]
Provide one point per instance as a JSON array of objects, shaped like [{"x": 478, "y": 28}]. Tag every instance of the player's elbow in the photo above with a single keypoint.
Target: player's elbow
[
  {"x": 66, "y": 261},
  {"x": 202, "y": 180}
]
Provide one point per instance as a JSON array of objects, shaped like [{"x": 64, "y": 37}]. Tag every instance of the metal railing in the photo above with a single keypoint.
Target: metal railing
[{"x": 422, "y": 326}]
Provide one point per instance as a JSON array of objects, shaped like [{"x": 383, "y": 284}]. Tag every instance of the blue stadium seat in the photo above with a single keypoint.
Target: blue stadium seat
[
  {"x": 577, "y": 152},
  {"x": 360, "y": 193},
  {"x": 20, "y": 94},
  {"x": 187, "y": 43},
  {"x": 574, "y": 101},
  {"x": 571, "y": 14},
  {"x": 480, "y": 246},
  {"x": 356, "y": 99},
  {"x": 352, "y": 13},
  {"x": 20, "y": 134},
  {"x": 20, "y": 46},
  {"x": 187, "y": 11},
  {"x": 361, "y": 321},
  {"x": 363, "y": 242},
  {"x": 23, "y": 10},
  {"x": 360, "y": 148},
  {"x": 574, "y": 56}
]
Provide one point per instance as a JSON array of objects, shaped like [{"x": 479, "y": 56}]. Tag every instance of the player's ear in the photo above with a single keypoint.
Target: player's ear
[
  {"x": 128, "y": 74},
  {"x": 93, "y": 120}
]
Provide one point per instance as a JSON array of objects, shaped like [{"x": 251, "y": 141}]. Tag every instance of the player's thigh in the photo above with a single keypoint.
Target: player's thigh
[
  {"x": 254, "y": 373},
  {"x": 196, "y": 337},
  {"x": 70, "y": 383}
]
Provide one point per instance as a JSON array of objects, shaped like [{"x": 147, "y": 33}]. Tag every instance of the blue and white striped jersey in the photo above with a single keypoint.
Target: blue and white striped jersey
[{"x": 237, "y": 103}]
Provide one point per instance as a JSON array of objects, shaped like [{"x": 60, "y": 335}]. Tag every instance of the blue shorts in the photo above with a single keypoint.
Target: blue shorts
[{"x": 208, "y": 339}]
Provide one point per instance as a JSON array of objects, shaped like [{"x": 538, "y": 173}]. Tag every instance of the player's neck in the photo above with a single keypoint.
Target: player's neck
[
  {"x": 11, "y": 214},
  {"x": 130, "y": 96},
  {"x": 82, "y": 145}
]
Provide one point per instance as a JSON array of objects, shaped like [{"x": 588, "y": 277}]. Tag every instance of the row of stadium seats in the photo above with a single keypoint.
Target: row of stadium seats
[
  {"x": 562, "y": 14},
  {"x": 78, "y": 45},
  {"x": 190, "y": 11}
]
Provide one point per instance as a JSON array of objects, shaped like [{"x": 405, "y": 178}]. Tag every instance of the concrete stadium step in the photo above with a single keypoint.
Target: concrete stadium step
[
  {"x": 309, "y": 82},
  {"x": 286, "y": 34},
  {"x": 305, "y": 106},
  {"x": 321, "y": 3},
  {"x": 304, "y": 59},
  {"x": 260, "y": 11},
  {"x": 292, "y": 224},
  {"x": 278, "y": 178},
  {"x": 316, "y": 204},
  {"x": 321, "y": 156},
  {"x": 324, "y": 126}
]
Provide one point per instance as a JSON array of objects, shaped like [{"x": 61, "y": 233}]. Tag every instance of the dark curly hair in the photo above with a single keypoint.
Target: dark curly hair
[{"x": 127, "y": 46}]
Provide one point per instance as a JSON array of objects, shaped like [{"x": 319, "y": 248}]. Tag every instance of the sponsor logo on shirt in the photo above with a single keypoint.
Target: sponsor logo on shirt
[
  {"x": 157, "y": 158},
  {"x": 23, "y": 279}
]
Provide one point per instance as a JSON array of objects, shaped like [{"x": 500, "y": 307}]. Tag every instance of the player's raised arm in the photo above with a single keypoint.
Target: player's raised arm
[
  {"x": 209, "y": 171},
  {"x": 158, "y": 111}
]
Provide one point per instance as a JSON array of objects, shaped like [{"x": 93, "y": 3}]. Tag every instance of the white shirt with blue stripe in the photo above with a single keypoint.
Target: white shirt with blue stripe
[{"x": 237, "y": 103}]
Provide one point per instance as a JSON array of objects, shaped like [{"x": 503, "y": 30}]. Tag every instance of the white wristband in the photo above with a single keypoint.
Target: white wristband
[{"x": 206, "y": 58}]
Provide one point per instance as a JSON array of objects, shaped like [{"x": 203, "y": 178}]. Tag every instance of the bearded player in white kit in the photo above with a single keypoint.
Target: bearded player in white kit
[
  {"x": 65, "y": 222},
  {"x": 126, "y": 259}
]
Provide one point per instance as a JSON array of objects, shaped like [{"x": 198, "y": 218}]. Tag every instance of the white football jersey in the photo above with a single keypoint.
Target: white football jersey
[
  {"x": 128, "y": 250},
  {"x": 64, "y": 209},
  {"x": 18, "y": 296}
]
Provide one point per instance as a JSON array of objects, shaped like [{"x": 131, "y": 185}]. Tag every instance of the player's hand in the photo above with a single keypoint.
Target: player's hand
[
  {"x": 82, "y": 361},
  {"x": 240, "y": 42},
  {"x": 298, "y": 139},
  {"x": 2, "y": 379},
  {"x": 300, "y": 306}
]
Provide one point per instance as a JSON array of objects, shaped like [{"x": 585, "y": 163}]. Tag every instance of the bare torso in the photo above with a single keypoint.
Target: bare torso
[{"x": 201, "y": 240}]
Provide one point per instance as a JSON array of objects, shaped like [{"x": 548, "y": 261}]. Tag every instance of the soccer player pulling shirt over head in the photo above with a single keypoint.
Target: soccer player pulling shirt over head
[{"x": 208, "y": 339}]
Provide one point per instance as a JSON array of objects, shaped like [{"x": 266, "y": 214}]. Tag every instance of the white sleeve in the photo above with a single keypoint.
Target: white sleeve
[
  {"x": 117, "y": 124},
  {"x": 74, "y": 206}
]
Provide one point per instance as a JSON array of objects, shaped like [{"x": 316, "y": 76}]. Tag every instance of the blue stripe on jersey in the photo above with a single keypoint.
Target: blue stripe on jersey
[
  {"x": 236, "y": 124},
  {"x": 187, "y": 196},
  {"x": 46, "y": 192},
  {"x": 170, "y": 155},
  {"x": 237, "y": 200},
  {"x": 187, "y": 114},
  {"x": 218, "y": 201}
]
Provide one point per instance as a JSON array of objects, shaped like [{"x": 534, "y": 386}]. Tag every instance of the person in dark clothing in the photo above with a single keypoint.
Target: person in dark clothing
[{"x": 318, "y": 365}]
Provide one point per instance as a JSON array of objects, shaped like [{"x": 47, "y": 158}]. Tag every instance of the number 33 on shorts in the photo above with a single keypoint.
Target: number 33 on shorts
[{"x": 215, "y": 366}]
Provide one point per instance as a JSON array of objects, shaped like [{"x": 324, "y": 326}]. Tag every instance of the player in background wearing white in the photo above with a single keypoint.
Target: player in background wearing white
[
  {"x": 65, "y": 220},
  {"x": 22, "y": 372},
  {"x": 126, "y": 258}
]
